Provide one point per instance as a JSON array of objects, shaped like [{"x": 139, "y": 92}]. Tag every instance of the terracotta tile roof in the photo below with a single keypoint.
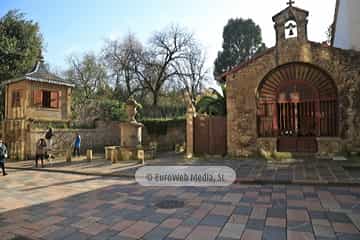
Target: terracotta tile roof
[{"x": 244, "y": 64}]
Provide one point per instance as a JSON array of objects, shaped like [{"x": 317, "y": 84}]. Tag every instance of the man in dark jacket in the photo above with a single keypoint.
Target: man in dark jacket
[
  {"x": 3, "y": 156},
  {"x": 77, "y": 144}
]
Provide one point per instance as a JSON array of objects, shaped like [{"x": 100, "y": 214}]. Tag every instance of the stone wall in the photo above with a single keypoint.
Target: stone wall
[
  {"x": 342, "y": 65},
  {"x": 105, "y": 134},
  {"x": 21, "y": 136}
]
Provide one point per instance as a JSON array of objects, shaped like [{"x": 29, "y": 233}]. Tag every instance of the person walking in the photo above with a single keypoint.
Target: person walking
[
  {"x": 48, "y": 136},
  {"x": 3, "y": 156},
  {"x": 77, "y": 144},
  {"x": 40, "y": 151}
]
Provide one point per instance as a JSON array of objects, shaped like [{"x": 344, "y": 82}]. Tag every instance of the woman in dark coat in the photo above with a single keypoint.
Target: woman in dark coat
[
  {"x": 3, "y": 156},
  {"x": 40, "y": 151},
  {"x": 49, "y": 137}
]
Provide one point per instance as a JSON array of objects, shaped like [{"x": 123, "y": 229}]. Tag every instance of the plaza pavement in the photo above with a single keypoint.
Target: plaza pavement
[
  {"x": 293, "y": 171},
  {"x": 49, "y": 205}
]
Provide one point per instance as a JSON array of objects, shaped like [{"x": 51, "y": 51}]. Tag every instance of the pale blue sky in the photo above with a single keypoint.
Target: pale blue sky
[{"x": 76, "y": 26}]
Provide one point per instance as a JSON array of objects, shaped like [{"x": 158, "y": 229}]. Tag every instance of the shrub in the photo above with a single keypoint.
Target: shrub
[
  {"x": 160, "y": 126},
  {"x": 111, "y": 110}
]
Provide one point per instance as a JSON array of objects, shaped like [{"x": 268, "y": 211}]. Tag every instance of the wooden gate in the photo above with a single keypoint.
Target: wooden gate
[{"x": 210, "y": 135}]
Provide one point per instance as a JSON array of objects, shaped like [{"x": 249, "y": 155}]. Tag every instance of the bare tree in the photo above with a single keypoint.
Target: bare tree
[
  {"x": 122, "y": 58},
  {"x": 159, "y": 62},
  {"x": 89, "y": 76},
  {"x": 192, "y": 72}
]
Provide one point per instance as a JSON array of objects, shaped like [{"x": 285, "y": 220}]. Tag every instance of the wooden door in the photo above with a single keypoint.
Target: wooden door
[{"x": 210, "y": 135}]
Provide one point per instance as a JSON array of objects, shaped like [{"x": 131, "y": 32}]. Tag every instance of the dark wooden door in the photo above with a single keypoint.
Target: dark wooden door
[
  {"x": 297, "y": 127},
  {"x": 201, "y": 135},
  {"x": 210, "y": 135}
]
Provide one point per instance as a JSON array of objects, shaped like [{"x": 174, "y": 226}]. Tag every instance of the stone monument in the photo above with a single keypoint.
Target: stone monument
[{"x": 130, "y": 132}]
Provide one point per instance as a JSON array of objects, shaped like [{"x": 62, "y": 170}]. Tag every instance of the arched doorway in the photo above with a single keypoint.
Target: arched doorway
[{"x": 297, "y": 103}]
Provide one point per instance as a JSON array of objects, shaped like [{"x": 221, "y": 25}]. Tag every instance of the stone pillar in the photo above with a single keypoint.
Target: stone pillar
[
  {"x": 89, "y": 155},
  {"x": 141, "y": 156},
  {"x": 114, "y": 155},
  {"x": 68, "y": 156},
  {"x": 108, "y": 153},
  {"x": 190, "y": 114}
]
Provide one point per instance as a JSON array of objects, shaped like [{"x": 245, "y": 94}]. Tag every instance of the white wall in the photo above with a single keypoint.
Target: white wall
[{"x": 347, "y": 33}]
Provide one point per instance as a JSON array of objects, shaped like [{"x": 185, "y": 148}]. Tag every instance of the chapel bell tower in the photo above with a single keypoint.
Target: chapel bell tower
[{"x": 291, "y": 23}]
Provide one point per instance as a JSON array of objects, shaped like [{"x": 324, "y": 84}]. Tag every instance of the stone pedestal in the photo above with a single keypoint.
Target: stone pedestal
[{"x": 131, "y": 134}]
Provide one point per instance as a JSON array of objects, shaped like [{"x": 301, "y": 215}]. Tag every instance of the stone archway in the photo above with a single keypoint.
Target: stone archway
[{"x": 297, "y": 103}]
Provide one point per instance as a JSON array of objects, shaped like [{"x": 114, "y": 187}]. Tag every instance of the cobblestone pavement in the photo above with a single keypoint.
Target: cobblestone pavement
[
  {"x": 309, "y": 171},
  {"x": 99, "y": 166},
  {"x": 49, "y": 206},
  {"x": 297, "y": 171}
]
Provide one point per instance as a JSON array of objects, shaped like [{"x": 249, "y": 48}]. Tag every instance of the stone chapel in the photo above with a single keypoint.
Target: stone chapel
[{"x": 299, "y": 96}]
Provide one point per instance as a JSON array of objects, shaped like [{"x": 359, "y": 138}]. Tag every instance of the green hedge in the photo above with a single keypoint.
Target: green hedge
[
  {"x": 161, "y": 112},
  {"x": 62, "y": 125},
  {"x": 160, "y": 126},
  {"x": 52, "y": 124}
]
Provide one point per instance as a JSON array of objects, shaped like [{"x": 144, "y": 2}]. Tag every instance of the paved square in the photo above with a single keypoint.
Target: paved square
[{"x": 46, "y": 206}]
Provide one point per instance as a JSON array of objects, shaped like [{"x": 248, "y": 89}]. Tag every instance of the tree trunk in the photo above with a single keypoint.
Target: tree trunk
[{"x": 155, "y": 98}]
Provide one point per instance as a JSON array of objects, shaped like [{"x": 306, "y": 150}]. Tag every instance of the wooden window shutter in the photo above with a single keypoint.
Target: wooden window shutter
[
  {"x": 16, "y": 99},
  {"x": 59, "y": 99},
  {"x": 38, "y": 96},
  {"x": 54, "y": 100},
  {"x": 13, "y": 99}
]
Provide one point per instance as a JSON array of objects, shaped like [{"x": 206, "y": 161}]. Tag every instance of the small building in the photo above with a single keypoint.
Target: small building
[
  {"x": 36, "y": 97},
  {"x": 346, "y": 30},
  {"x": 299, "y": 96}
]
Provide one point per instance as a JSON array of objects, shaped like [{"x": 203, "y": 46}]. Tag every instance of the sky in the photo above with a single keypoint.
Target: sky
[{"x": 78, "y": 26}]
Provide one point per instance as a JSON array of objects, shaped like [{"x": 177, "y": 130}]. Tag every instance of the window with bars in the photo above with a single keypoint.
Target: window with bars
[{"x": 302, "y": 119}]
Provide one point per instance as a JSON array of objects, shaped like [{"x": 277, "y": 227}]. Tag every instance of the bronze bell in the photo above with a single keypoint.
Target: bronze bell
[{"x": 291, "y": 32}]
